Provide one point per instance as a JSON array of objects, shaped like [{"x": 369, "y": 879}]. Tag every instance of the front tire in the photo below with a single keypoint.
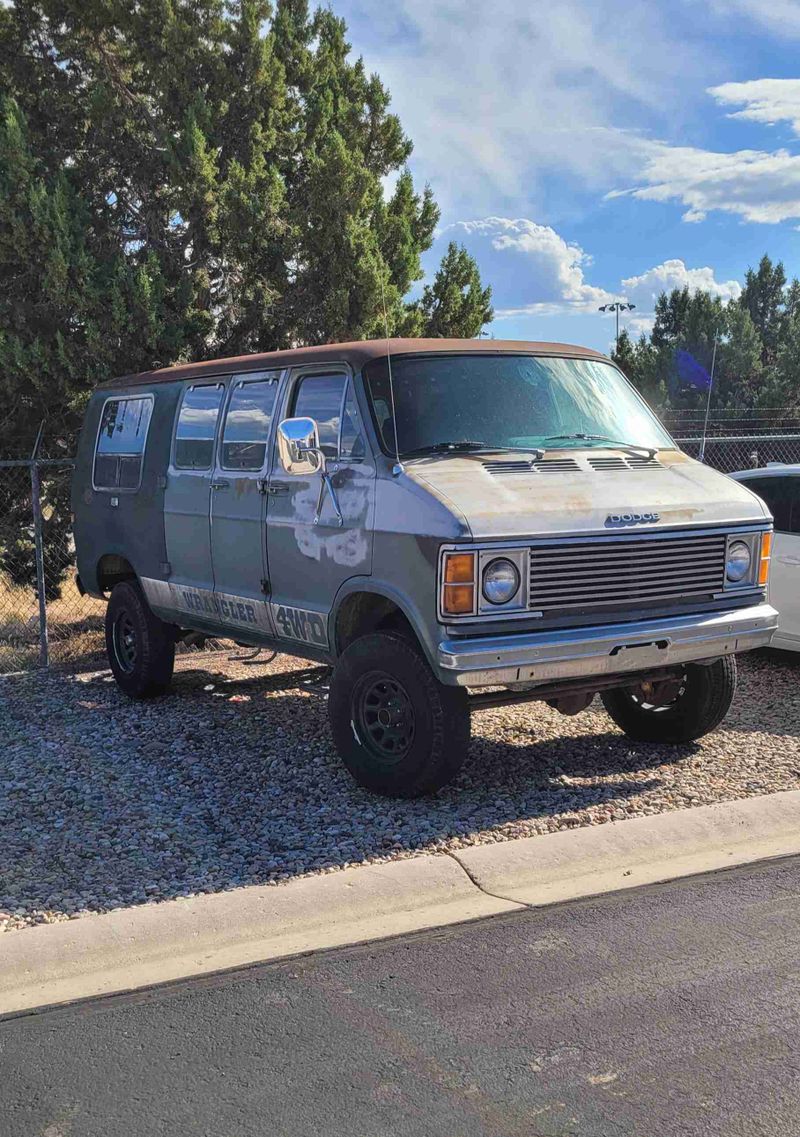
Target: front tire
[
  {"x": 398, "y": 730},
  {"x": 704, "y": 698},
  {"x": 141, "y": 648}
]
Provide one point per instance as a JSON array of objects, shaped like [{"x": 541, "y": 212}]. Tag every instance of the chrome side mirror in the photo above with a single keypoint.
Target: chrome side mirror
[{"x": 298, "y": 446}]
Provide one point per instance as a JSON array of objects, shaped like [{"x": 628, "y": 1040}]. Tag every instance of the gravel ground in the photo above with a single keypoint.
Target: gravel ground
[{"x": 233, "y": 781}]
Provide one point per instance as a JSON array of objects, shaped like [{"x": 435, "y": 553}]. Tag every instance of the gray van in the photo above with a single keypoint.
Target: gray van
[{"x": 450, "y": 524}]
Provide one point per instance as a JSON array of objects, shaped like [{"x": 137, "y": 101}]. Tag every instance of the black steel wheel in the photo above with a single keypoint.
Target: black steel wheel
[
  {"x": 398, "y": 730},
  {"x": 124, "y": 640},
  {"x": 385, "y": 716},
  {"x": 680, "y": 711},
  {"x": 141, "y": 648}
]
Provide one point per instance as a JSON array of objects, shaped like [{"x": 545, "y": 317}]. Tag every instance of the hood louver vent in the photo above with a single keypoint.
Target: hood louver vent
[
  {"x": 631, "y": 462},
  {"x": 644, "y": 463},
  {"x": 521, "y": 466},
  {"x": 556, "y": 465},
  {"x": 608, "y": 463},
  {"x": 505, "y": 467}
]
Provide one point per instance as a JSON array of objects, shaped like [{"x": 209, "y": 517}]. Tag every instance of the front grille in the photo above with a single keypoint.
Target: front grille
[{"x": 625, "y": 572}]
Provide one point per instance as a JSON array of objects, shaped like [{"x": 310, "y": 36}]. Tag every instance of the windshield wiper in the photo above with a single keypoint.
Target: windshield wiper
[
  {"x": 465, "y": 446},
  {"x": 630, "y": 447}
]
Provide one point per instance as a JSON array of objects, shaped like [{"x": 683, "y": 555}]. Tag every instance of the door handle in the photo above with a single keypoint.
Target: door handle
[
  {"x": 221, "y": 484},
  {"x": 275, "y": 489}
]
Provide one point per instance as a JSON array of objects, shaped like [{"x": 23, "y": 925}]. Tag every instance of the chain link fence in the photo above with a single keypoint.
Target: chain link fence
[
  {"x": 43, "y": 618},
  {"x": 743, "y": 451},
  {"x": 44, "y": 621}
]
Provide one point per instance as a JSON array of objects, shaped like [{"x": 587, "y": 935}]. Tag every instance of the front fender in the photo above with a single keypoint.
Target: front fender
[{"x": 425, "y": 632}]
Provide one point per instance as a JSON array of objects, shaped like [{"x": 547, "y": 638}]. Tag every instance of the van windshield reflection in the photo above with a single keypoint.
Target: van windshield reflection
[{"x": 507, "y": 402}]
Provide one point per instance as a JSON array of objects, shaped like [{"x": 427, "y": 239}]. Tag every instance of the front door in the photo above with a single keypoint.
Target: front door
[
  {"x": 239, "y": 503},
  {"x": 310, "y": 558},
  {"x": 188, "y": 490}
]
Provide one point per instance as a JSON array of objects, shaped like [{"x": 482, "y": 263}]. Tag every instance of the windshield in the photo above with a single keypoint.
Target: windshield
[{"x": 516, "y": 401}]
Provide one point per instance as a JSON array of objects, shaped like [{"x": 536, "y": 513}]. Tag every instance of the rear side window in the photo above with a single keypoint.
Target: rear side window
[
  {"x": 197, "y": 425},
  {"x": 782, "y": 496},
  {"x": 120, "y": 443},
  {"x": 247, "y": 424}
]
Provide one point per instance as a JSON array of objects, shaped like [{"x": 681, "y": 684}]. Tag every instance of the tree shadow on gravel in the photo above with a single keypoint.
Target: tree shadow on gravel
[{"x": 230, "y": 782}]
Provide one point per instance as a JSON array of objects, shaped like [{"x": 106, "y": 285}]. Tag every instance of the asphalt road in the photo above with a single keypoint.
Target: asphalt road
[{"x": 669, "y": 1010}]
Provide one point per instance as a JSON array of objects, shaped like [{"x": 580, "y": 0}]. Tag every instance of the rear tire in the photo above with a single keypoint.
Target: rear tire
[
  {"x": 398, "y": 730},
  {"x": 141, "y": 648},
  {"x": 704, "y": 699}
]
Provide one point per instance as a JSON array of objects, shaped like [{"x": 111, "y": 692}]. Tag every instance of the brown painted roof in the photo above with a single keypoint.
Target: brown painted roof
[{"x": 356, "y": 354}]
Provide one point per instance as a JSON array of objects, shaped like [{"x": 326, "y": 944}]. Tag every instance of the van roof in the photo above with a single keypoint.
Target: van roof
[{"x": 356, "y": 354}]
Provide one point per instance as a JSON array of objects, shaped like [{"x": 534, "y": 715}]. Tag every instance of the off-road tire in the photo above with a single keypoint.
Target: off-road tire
[
  {"x": 141, "y": 648},
  {"x": 386, "y": 673},
  {"x": 700, "y": 708}
]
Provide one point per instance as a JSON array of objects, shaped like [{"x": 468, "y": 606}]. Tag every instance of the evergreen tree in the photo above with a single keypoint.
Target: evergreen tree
[
  {"x": 456, "y": 304},
  {"x": 189, "y": 179},
  {"x": 763, "y": 298},
  {"x": 782, "y": 386},
  {"x": 229, "y": 155}
]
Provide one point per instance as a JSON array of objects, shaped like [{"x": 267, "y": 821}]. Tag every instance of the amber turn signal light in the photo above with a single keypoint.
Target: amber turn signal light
[
  {"x": 459, "y": 568},
  {"x": 766, "y": 553},
  {"x": 458, "y": 594}
]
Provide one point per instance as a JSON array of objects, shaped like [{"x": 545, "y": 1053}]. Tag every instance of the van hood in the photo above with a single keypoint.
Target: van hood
[{"x": 587, "y": 490}]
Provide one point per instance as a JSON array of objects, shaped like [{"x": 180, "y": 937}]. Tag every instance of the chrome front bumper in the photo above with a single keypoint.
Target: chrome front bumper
[{"x": 609, "y": 649}]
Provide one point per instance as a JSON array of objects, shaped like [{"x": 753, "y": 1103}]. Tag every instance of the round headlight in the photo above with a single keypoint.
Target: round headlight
[
  {"x": 739, "y": 560},
  {"x": 500, "y": 581}
]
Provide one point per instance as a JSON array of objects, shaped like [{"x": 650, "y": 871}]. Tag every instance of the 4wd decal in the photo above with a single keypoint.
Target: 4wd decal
[{"x": 299, "y": 624}]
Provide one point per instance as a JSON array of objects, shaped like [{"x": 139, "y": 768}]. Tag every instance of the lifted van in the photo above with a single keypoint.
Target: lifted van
[{"x": 450, "y": 524}]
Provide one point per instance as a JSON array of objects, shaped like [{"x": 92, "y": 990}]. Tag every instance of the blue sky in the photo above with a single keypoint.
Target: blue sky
[{"x": 585, "y": 151}]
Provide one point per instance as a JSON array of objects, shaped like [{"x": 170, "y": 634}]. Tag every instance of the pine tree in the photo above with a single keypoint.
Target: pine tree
[
  {"x": 456, "y": 304},
  {"x": 188, "y": 179},
  {"x": 763, "y": 298},
  {"x": 236, "y": 153}
]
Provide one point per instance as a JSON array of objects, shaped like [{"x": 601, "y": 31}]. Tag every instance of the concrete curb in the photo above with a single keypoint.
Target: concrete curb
[
  {"x": 643, "y": 850},
  {"x": 138, "y": 947},
  {"x": 155, "y": 943}
]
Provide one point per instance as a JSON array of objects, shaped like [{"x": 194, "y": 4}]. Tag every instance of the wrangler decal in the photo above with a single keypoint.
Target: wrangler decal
[
  {"x": 299, "y": 624},
  {"x": 242, "y": 612}
]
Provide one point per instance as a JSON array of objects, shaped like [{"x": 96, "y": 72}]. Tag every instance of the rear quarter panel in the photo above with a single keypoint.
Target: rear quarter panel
[{"x": 134, "y": 528}]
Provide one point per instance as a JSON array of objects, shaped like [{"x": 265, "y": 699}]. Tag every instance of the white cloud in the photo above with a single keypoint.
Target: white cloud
[
  {"x": 644, "y": 290},
  {"x": 781, "y": 17},
  {"x": 545, "y": 264},
  {"x": 766, "y": 101},
  {"x": 498, "y": 96},
  {"x": 540, "y": 273},
  {"x": 753, "y": 184}
]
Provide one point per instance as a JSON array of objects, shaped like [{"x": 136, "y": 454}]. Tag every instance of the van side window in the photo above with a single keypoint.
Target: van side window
[
  {"x": 120, "y": 443},
  {"x": 352, "y": 447},
  {"x": 778, "y": 493},
  {"x": 197, "y": 424},
  {"x": 320, "y": 397},
  {"x": 247, "y": 423}
]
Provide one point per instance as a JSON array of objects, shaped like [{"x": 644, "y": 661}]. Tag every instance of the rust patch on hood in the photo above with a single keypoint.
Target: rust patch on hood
[{"x": 531, "y": 503}]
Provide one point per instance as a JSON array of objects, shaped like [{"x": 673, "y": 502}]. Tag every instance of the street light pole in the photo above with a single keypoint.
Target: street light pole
[{"x": 617, "y": 306}]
